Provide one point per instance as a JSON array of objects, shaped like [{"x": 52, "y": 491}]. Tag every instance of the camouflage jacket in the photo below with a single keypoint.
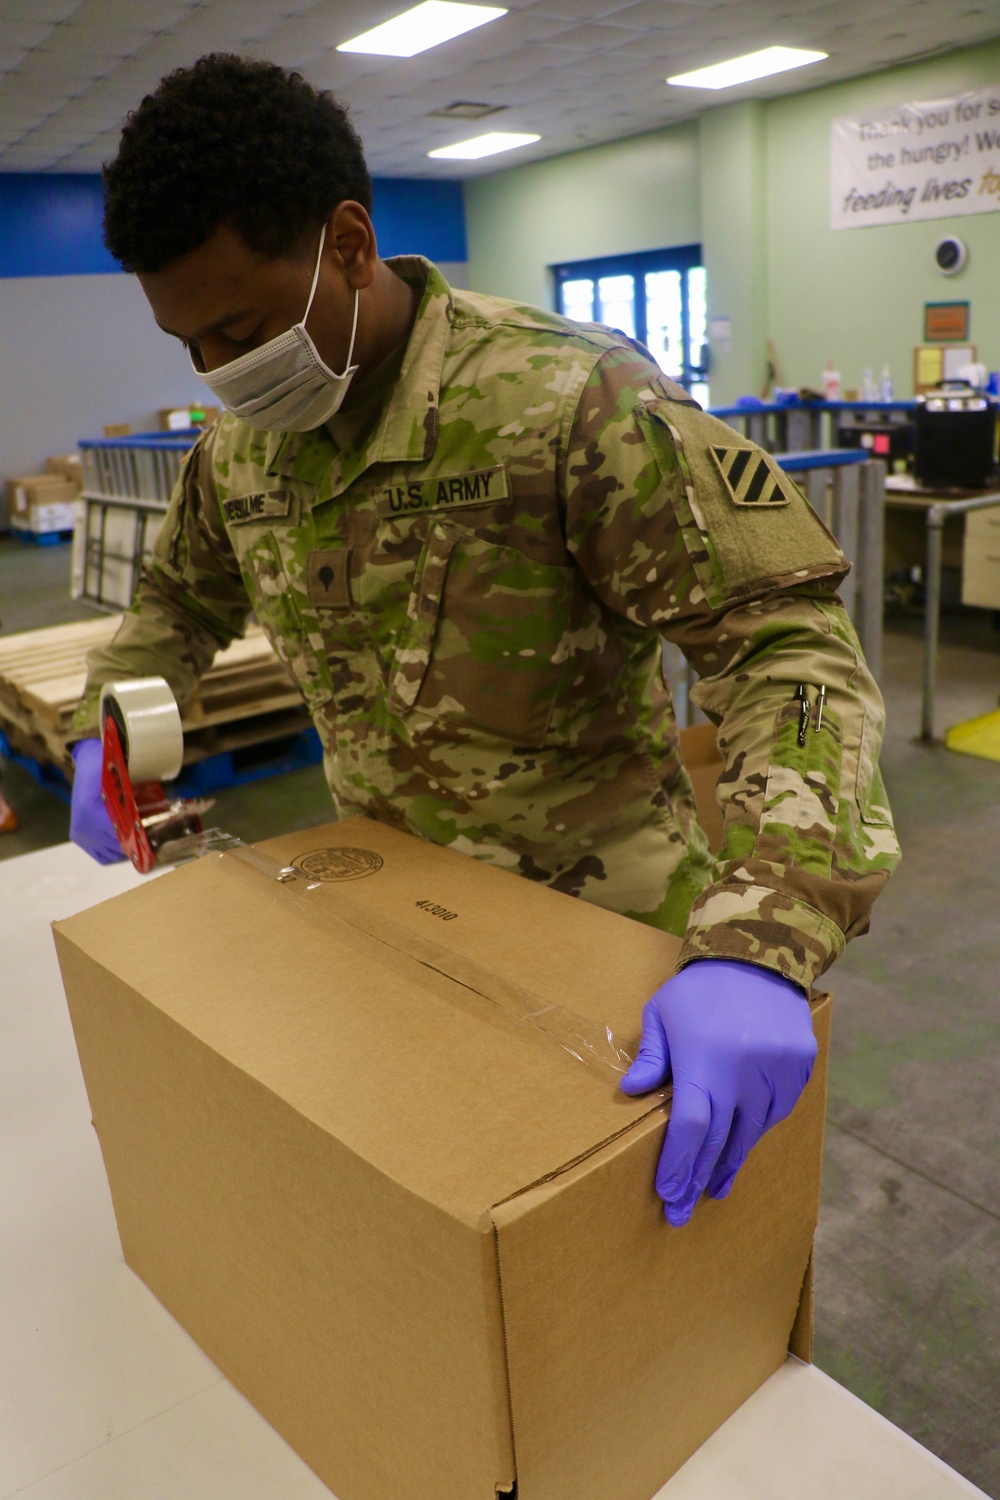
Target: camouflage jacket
[{"x": 471, "y": 594}]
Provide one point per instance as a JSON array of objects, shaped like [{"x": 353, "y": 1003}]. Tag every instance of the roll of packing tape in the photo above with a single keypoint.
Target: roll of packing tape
[{"x": 149, "y": 726}]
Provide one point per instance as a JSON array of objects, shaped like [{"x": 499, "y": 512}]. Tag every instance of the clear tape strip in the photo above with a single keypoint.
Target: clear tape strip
[{"x": 496, "y": 997}]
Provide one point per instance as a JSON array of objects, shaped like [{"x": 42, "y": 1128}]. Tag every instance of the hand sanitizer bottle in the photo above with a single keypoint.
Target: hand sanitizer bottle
[
  {"x": 886, "y": 383},
  {"x": 831, "y": 382}
]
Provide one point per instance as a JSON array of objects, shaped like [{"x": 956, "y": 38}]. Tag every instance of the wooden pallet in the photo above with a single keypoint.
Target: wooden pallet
[{"x": 43, "y": 674}]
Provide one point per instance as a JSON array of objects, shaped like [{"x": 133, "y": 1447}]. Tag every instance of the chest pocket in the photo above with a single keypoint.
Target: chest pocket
[
  {"x": 282, "y": 607},
  {"x": 486, "y": 637}
]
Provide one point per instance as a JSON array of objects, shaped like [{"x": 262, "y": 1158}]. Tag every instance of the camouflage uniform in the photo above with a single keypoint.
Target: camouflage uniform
[{"x": 469, "y": 581}]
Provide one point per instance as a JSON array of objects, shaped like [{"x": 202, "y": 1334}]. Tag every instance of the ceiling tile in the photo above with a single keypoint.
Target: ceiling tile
[
  {"x": 310, "y": 33},
  {"x": 36, "y": 10},
  {"x": 102, "y": 40},
  {"x": 594, "y": 36},
  {"x": 521, "y": 27},
  {"x": 149, "y": 16},
  {"x": 23, "y": 34},
  {"x": 84, "y": 160},
  {"x": 64, "y": 71},
  {"x": 579, "y": 10},
  {"x": 587, "y": 65},
  {"x": 223, "y": 27},
  {"x": 653, "y": 15},
  {"x": 575, "y": 70},
  {"x": 23, "y": 157}
]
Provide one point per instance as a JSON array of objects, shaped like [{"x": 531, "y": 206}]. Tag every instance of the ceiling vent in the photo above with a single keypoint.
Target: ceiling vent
[{"x": 463, "y": 109}]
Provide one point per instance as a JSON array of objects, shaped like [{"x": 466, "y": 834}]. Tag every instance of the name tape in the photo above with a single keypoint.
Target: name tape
[
  {"x": 446, "y": 492},
  {"x": 256, "y": 507}
]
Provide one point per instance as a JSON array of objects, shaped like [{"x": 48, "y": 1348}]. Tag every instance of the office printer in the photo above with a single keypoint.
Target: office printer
[{"x": 955, "y": 437}]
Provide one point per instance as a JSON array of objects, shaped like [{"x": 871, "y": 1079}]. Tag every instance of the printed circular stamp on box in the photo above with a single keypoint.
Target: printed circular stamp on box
[{"x": 341, "y": 863}]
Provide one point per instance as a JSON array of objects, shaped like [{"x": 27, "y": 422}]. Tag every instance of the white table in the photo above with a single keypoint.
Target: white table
[{"x": 104, "y": 1397}]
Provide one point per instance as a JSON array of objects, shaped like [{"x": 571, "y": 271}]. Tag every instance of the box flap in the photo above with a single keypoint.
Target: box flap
[{"x": 349, "y": 1027}]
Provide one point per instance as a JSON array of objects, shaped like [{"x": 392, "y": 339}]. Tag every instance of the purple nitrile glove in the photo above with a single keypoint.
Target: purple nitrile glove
[
  {"x": 738, "y": 1041},
  {"x": 89, "y": 823}
]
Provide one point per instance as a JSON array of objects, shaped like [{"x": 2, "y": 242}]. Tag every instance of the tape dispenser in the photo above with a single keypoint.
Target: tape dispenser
[{"x": 143, "y": 746}]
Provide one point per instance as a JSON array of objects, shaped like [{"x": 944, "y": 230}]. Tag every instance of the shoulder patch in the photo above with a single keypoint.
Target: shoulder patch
[
  {"x": 748, "y": 476},
  {"x": 741, "y": 545}
]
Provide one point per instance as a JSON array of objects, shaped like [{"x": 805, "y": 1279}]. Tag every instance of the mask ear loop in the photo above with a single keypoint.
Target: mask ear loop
[
  {"x": 312, "y": 289},
  {"x": 312, "y": 293},
  {"x": 354, "y": 330}
]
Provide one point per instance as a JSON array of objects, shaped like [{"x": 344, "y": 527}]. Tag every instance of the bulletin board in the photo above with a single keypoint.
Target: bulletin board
[{"x": 933, "y": 363}]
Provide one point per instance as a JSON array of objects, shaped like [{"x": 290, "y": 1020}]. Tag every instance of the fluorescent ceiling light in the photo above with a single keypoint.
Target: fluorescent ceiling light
[
  {"x": 426, "y": 25},
  {"x": 483, "y": 145},
  {"x": 725, "y": 75}
]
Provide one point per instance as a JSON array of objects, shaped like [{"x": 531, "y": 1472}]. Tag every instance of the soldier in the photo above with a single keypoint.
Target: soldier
[{"x": 466, "y": 547}]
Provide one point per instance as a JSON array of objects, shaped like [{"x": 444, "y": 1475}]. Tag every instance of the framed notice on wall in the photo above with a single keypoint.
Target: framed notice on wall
[{"x": 946, "y": 322}]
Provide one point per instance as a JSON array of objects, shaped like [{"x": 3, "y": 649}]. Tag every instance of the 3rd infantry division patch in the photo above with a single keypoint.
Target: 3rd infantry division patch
[{"x": 749, "y": 477}]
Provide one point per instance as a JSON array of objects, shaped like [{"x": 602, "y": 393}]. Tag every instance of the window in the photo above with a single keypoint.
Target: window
[{"x": 658, "y": 297}]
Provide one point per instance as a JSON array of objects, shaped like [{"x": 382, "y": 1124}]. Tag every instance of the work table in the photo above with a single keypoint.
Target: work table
[{"x": 104, "y": 1397}]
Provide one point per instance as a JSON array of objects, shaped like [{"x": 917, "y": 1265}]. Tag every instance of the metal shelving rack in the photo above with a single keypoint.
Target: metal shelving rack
[
  {"x": 127, "y": 484},
  {"x": 793, "y": 427}
]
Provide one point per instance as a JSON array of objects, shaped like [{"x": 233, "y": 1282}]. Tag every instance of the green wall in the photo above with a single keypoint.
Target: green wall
[
  {"x": 734, "y": 243},
  {"x": 857, "y": 295},
  {"x": 638, "y": 194},
  {"x": 751, "y": 182}
]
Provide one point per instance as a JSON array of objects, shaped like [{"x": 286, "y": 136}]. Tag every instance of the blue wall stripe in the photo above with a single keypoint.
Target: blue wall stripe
[
  {"x": 416, "y": 217},
  {"x": 50, "y": 222},
  {"x": 50, "y": 225}
]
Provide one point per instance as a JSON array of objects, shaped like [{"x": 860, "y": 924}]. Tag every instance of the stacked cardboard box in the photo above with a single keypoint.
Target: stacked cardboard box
[
  {"x": 68, "y": 466},
  {"x": 177, "y": 418},
  {"x": 42, "y": 502},
  {"x": 357, "y": 1099}
]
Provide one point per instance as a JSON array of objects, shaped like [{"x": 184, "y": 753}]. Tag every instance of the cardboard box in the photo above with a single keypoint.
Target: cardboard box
[
  {"x": 178, "y": 418},
  {"x": 349, "y": 1150},
  {"x": 66, "y": 466},
  {"x": 29, "y": 493},
  {"x": 42, "y": 519}
]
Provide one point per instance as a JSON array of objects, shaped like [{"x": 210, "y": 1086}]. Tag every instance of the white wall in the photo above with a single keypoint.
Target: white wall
[{"x": 77, "y": 352}]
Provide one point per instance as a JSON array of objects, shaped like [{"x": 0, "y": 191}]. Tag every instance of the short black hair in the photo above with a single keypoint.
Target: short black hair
[{"x": 229, "y": 141}]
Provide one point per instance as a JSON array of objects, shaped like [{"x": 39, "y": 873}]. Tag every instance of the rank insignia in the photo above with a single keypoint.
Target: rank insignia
[{"x": 749, "y": 477}]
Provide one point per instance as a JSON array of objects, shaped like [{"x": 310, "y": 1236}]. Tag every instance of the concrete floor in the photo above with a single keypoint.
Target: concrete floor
[{"x": 908, "y": 1253}]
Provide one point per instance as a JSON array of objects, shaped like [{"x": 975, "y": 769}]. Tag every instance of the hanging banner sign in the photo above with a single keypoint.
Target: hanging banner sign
[{"x": 919, "y": 161}]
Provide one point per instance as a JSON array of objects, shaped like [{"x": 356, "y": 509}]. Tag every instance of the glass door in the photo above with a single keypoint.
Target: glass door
[
  {"x": 658, "y": 298},
  {"x": 616, "y": 302},
  {"x": 665, "y": 321},
  {"x": 696, "y": 304}
]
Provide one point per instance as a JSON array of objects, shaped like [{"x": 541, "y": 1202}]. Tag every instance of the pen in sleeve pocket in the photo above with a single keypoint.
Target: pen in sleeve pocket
[{"x": 804, "y": 711}]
